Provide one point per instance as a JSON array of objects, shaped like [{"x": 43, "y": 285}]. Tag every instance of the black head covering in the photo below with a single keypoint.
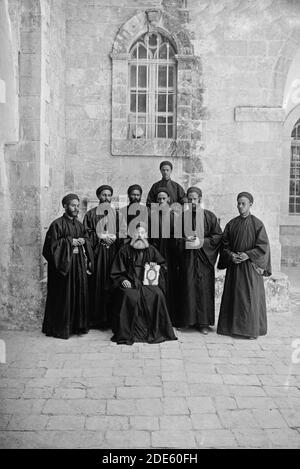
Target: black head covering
[
  {"x": 165, "y": 163},
  {"x": 103, "y": 188},
  {"x": 246, "y": 194},
  {"x": 134, "y": 187},
  {"x": 67, "y": 198},
  {"x": 195, "y": 189}
]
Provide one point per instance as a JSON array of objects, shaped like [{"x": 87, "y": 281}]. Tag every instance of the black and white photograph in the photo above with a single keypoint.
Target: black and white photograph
[{"x": 150, "y": 227}]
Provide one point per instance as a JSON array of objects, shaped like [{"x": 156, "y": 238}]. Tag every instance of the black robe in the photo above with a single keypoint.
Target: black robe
[
  {"x": 140, "y": 312},
  {"x": 66, "y": 310},
  {"x": 99, "y": 282},
  {"x": 196, "y": 306},
  {"x": 176, "y": 191},
  {"x": 243, "y": 305},
  {"x": 169, "y": 249}
]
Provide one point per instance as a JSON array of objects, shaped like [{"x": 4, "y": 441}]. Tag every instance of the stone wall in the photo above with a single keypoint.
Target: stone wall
[
  {"x": 61, "y": 68},
  {"x": 53, "y": 138}
]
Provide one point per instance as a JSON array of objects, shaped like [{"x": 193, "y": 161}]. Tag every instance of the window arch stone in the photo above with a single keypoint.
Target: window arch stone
[{"x": 159, "y": 21}]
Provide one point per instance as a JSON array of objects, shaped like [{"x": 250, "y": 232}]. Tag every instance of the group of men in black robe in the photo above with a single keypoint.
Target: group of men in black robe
[{"x": 142, "y": 269}]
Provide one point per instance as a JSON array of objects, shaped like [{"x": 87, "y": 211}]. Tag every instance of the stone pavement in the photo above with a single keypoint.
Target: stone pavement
[{"x": 197, "y": 392}]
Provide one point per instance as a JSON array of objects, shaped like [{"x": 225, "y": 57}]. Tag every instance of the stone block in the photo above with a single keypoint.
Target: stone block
[
  {"x": 259, "y": 114},
  {"x": 65, "y": 422},
  {"x": 173, "y": 439},
  {"x": 127, "y": 439}
]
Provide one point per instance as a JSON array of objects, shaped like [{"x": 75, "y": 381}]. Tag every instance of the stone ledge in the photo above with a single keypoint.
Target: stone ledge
[
  {"x": 259, "y": 114},
  {"x": 277, "y": 288}
]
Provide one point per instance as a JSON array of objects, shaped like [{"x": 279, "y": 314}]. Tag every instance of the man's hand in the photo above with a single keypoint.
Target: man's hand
[
  {"x": 153, "y": 264},
  {"x": 81, "y": 241},
  {"x": 108, "y": 241},
  {"x": 243, "y": 256},
  {"x": 126, "y": 284},
  {"x": 75, "y": 242},
  {"x": 238, "y": 258},
  {"x": 235, "y": 258}
]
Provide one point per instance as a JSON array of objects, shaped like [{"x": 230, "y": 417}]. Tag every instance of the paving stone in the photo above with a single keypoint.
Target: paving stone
[
  {"x": 225, "y": 403},
  {"x": 84, "y": 383},
  {"x": 204, "y": 378},
  {"x": 24, "y": 373},
  {"x": 107, "y": 422},
  {"x": 291, "y": 416},
  {"x": 69, "y": 393},
  {"x": 203, "y": 421},
  {"x": 20, "y": 406},
  {"x": 241, "y": 380},
  {"x": 132, "y": 392},
  {"x": 173, "y": 376},
  {"x": 28, "y": 422},
  {"x": 143, "y": 381},
  {"x": 11, "y": 393},
  {"x": 252, "y": 438},
  {"x": 144, "y": 422},
  {"x": 37, "y": 393},
  {"x": 255, "y": 403},
  {"x": 200, "y": 404},
  {"x": 247, "y": 391},
  {"x": 287, "y": 403},
  {"x": 4, "y": 420},
  {"x": 175, "y": 422},
  {"x": 74, "y": 407},
  {"x": 215, "y": 439},
  {"x": 237, "y": 419},
  {"x": 121, "y": 407},
  {"x": 270, "y": 418},
  {"x": 175, "y": 406},
  {"x": 283, "y": 439},
  {"x": 209, "y": 389},
  {"x": 66, "y": 422},
  {"x": 173, "y": 439},
  {"x": 148, "y": 407},
  {"x": 175, "y": 389},
  {"x": 97, "y": 372},
  {"x": 127, "y": 439},
  {"x": 103, "y": 392},
  {"x": 63, "y": 373}
]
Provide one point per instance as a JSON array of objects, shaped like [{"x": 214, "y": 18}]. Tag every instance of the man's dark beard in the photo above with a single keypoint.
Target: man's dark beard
[
  {"x": 72, "y": 214},
  {"x": 139, "y": 243}
]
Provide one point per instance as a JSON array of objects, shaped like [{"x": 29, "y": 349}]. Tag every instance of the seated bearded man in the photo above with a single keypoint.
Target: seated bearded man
[{"x": 139, "y": 278}]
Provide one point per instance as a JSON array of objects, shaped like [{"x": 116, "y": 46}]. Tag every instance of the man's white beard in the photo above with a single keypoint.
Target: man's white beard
[{"x": 139, "y": 243}]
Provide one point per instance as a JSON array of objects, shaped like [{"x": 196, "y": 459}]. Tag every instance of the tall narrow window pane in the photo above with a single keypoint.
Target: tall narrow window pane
[
  {"x": 152, "y": 77},
  {"x": 294, "y": 196}
]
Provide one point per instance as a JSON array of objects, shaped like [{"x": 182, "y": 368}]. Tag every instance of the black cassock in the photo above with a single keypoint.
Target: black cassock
[
  {"x": 196, "y": 306},
  {"x": 140, "y": 312},
  {"x": 66, "y": 310},
  {"x": 169, "y": 249},
  {"x": 243, "y": 305},
  {"x": 100, "y": 283},
  {"x": 175, "y": 190}
]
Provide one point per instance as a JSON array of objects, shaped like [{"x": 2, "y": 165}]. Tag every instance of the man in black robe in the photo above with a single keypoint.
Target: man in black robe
[
  {"x": 166, "y": 231},
  {"x": 134, "y": 213},
  {"x": 246, "y": 255},
  {"x": 70, "y": 258},
  {"x": 199, "y": 249},
  {"x": 102, "y": 225},
  {"x": 175, "y": 191},
  {"x": 140, "y": 310}
]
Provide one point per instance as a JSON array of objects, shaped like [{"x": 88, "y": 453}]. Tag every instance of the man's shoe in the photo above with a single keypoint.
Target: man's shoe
[{"x": 204, "y": 330}]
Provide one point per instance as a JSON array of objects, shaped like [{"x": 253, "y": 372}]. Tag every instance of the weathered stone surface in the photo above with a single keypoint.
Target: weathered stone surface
[{"x": 72, "y": 115}]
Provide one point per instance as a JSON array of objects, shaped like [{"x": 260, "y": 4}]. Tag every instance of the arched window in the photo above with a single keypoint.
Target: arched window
[
  {"x": 152, "y": 81},
  {"x": 294, "y": 200}
]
